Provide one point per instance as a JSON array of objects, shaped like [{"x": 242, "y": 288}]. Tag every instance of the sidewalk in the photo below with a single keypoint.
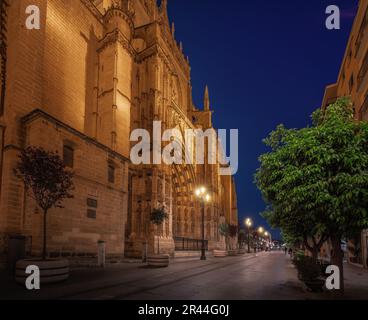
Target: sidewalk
[
  {"x": 256, "y": 275},
  {"x": 356, "y": 282},
  {"x": 356, "y": 285},
  {"x": 88, "y": 278}
]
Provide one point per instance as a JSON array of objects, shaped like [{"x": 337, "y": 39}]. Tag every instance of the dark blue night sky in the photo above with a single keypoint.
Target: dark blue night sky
[{"x": 266, "y": 62}]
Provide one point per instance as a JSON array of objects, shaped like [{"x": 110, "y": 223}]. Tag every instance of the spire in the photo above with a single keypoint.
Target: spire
[
  {"x": 206, "y": 100},
  {"x": 163, "y": 7}
]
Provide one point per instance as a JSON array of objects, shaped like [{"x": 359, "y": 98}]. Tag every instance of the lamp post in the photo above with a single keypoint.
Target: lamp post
[
  {"x": 266, "y": 234},
  {"x": 269, "y": 238},
  {"x": 248, "y": 223},
  {"x": 260, "y": 231},
  {"x": 204, "y": 198}
]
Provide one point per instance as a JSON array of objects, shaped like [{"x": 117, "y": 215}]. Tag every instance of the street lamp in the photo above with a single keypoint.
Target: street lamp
[
  {"x": 204, "y": 197},
  {"x": 266, "y": 234},
  {"x": 248, "y": 224},
  {"x": 269, "y": 237},
  {"x": 260, "y": 232}
]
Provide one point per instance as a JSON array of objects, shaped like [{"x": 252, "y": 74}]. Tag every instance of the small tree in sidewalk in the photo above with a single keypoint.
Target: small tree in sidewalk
[
  {"x": 46, "y": 180},
  {"x": 241, "y": 238}
]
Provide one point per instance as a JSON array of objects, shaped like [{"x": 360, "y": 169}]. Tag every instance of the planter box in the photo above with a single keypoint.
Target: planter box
[
  {"x": 315, "y": 285},
  {"x": 51, "y": 270},
  {"x": 233, "y": 253},
  {"x": 242, "y": 251},
  {"x": 158, "y": 260},
  {"x": 219, "y": 253}
]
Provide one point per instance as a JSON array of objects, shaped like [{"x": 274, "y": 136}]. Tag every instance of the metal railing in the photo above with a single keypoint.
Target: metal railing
[{"x": 187, "y": 244}]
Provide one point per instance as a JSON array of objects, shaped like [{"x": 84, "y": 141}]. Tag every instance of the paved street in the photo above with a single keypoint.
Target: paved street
[{"x": 265, "y": 276}]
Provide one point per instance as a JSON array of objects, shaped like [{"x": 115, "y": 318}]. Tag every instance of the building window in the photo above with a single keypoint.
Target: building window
[
  {"x": 111, "y": 173},
  {"x": 92, "y": 208},
  {"x": 68, "y": 156},
  {"x": 91, "y": 214}
]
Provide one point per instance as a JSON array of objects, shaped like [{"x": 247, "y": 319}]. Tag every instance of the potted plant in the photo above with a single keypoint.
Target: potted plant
[
  {"x": 224, "y": 232},
  {"x": 47, "y": 180},
  {"x": 309, "y": 272},
  {"x": 157, "y": 218}
]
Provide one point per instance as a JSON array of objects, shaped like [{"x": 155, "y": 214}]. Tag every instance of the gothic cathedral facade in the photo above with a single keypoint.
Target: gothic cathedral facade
[{"x": 95, "y": 71}]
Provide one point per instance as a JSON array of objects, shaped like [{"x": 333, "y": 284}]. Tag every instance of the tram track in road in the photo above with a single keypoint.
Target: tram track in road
[{"x": 100, "y": 291}]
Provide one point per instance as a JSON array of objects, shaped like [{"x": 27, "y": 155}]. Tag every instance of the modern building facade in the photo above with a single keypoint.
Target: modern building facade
[
  {"x": 353, "y": 82},
  {"x": 93, "y": 72}
]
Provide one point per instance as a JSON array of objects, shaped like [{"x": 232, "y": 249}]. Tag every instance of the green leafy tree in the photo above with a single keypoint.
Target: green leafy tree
[
  {"x": 241, "y": 237},
  {"x": 298, "y": 228},
  {"x": 158, "y": 217},
  {"x": 315, "y": 179},
  {"x": 46, "y": 180},
  {"x": 233, "y": 232},
  {"x": 290, "y": 240}
]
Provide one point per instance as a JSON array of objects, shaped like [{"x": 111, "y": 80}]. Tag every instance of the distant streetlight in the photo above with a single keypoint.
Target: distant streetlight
[
  {"x": 248, "y": 224},
  {"x": 269, "y": 236},
  {"x": 261, "y": 231},
  {"x": 204, "y": 198}
]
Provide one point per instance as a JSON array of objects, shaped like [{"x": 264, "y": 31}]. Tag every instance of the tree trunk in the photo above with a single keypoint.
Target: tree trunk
[
  {"x": 315, "y": 254},
  {"x": 44, "y": 251},
  {"x": 314, "y": 250},
  {"x": 337, "y": 259}
]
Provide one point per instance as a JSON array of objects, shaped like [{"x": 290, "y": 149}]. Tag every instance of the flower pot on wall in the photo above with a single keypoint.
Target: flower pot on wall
[
  {"x": 51, "y": 270},
  {"x": 158, "y": 260}
]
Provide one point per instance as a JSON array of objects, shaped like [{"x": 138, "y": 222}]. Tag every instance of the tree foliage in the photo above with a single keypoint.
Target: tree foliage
[
  {"x": 224, "y": 230},
  {"x": 233, "y": 230},
  {"x": 315, "y": 179},
  {"x": 45, "y": 177}
]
